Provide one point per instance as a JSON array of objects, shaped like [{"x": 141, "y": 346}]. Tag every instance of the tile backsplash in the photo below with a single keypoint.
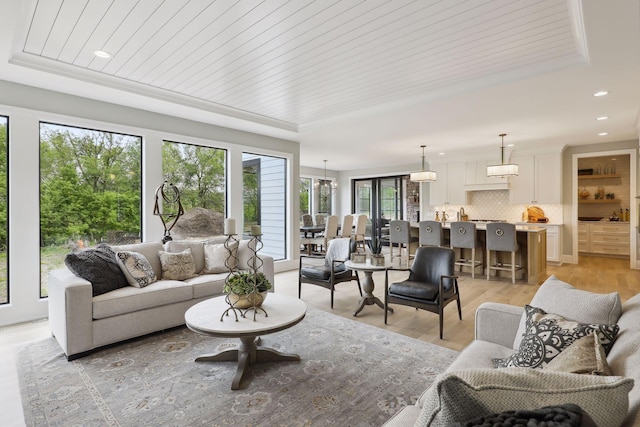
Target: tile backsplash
[{"x": 495, "y": 204}]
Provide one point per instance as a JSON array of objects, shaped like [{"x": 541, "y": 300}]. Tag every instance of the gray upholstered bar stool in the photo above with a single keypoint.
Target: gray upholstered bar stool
[
  {"x": 463, "y": 236},
  {"x": 501, "y": 237},
  {"x": 430, "y": 233},
  {"x": 400, "y": 235}
]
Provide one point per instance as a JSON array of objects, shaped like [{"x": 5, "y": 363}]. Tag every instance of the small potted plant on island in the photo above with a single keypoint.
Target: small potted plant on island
[
  {"x": 375, "y": 245},
  {"x": 247, "y": 289}
]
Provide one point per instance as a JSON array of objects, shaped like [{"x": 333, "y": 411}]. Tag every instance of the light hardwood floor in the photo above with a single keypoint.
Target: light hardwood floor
[{"x": 592, "y": 273}]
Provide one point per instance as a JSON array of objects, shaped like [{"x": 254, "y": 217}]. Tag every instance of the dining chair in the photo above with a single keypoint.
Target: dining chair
[
  {"x": 330, "y": 232},
  {"x": 347, "y": 226},
  {"x": 431, "y": 285},
  {"x": 360, "y": 231},
  {"x": 307, "y": 220}
]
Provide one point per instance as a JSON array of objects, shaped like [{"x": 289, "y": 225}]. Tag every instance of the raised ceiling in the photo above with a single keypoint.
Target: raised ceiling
[{"x": 331, "y": 73}]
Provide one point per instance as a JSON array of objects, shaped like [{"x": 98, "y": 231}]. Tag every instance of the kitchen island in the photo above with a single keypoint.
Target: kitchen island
[{"x": 531, "y": 255}]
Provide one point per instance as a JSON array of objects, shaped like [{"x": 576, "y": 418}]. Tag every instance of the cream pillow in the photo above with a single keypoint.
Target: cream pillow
[
  {"x": 216, "y": 255},
  {"x": 461, "y": 396},
  {"x": 177, "y": 265},
  {"x": 585, "y": 356}
]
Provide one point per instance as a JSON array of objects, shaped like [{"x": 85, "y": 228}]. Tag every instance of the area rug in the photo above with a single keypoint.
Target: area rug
[{"x": 350, "y": 374}]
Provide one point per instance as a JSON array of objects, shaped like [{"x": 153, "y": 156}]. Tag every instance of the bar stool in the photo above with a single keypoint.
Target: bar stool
[
  {"x": 463, "y": 236},
  {"x": 430, "y": 233},
  {"x": 400, "y": 234},
  {"x": 501, "y": 237}
]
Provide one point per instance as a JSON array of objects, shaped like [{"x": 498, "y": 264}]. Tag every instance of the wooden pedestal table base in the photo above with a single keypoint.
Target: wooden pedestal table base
[
  {"x": 368, "y": 285},
  {"x": 283, "y": 313}
]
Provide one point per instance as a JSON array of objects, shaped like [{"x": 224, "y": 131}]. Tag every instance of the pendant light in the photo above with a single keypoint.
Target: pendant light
[
  {"x": 423, "y": 175},
  {"x": 502, "y": 169},
  {"x": 325, "y": 182}
]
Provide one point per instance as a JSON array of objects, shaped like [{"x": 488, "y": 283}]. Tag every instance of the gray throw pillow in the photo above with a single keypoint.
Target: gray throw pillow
[{"x": 99, "y": 266}]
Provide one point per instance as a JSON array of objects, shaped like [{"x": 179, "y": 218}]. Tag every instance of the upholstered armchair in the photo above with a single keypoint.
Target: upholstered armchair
[
  {"x": 431, "y": 285},
  {"x": 332, "y": 271}
]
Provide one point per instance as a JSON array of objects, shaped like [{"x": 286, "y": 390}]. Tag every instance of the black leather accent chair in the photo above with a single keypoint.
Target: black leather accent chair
[
  {"x": 331, "y": 272},
  {"x": 431, "y": 285}
]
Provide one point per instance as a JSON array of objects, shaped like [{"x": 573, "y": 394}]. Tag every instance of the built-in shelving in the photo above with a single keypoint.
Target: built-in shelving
[
  {"x": 598, "y": 176},
  {"x": 599, "y": 201}
]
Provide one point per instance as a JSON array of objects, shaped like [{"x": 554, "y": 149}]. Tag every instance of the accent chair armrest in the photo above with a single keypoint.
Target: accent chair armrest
[{"x": 497, "y": 323}]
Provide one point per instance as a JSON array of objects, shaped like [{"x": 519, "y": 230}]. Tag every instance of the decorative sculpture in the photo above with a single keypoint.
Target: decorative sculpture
[{"x": 171, "y": 207}]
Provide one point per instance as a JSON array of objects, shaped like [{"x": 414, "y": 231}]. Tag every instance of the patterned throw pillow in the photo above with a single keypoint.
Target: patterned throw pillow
[
  {"x": 99, "y": 266},
  {"x": 136, "y": 269},
  {"x": 177, "y": 266},
  {"x": 585, "y": 356},
  {"x": 215, "y": 256},
  {"x": 548, "y": 334}
]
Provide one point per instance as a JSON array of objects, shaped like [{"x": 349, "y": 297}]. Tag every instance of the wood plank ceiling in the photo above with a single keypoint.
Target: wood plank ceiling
[{"x": 300, "y": 61}]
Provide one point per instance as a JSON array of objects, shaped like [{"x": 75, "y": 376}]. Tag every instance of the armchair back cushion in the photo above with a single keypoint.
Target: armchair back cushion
[{"x": 430, "y": 263}]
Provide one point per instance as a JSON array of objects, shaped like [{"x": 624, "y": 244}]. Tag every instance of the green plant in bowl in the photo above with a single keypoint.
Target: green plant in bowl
[{"x": 247, "y": 289}]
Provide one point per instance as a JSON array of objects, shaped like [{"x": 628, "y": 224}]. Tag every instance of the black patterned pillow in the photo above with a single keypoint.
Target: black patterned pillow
[
  {"x": 548, "y": 334},
  {"x": 136, "y": 268},
  {"x": 99, "y": 266}
]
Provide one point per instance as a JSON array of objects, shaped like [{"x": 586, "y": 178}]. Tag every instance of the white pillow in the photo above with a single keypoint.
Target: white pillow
[
  {"x": 216, "y": 255},
  {"x": 136, "y": 268},
  {"x": 558, "y": 297},
  {"x": 462, "y": 396}
]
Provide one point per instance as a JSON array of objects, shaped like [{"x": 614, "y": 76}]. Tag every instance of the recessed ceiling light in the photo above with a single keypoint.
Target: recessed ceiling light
[
  {"x": 510, "y": 145},
  {"x": 603, "y": 134},
  {"x": 441, "y": 153},
  {"x": 601, "y": 93},
  {"x": 602, "y": 118},
  {"x": 102, "y": 54}
]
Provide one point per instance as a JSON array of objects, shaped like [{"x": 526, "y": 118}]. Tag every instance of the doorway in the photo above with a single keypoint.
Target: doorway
[
  {"x": 382, "y": 200},
  {"x": 604, "y": 190}
]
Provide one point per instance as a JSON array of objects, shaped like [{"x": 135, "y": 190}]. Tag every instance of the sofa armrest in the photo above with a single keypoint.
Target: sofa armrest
[
  {"x": 71, "y": 311},
  {"x": 498, "y": 323}
]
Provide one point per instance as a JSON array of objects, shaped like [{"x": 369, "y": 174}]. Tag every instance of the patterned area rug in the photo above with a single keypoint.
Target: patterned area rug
[{"x": 350, "y": 374}]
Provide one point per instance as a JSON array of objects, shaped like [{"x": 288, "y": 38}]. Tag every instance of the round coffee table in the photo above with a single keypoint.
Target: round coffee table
[
  {"x": 282, "y": 312},
  {"x": 368, "y": 285}
]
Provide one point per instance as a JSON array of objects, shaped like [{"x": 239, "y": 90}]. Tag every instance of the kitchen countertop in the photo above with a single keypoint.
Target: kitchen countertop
[{"x": 483, "y": 226}]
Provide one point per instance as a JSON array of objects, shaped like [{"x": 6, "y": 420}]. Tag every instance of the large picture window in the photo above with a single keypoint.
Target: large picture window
[
  {"x": 264, "y": 201},
  {"x": 4, "y": 211},
  {"x": 90, "y": 191},
  {"x": 199, "y": 172},
  {"x": 305, "y": 196}
]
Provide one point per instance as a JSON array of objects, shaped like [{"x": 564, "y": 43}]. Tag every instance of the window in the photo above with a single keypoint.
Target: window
[
  {"x": 305, "y": 196},
  {"x": 199, "y": 173},
  {"x": 90, "y": 191},
  {"x": 264, "y": 201},
  {"x": 4, "y": 211}
]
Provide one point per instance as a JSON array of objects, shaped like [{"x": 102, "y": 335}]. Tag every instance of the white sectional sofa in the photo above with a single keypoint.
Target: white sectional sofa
[
  {"x": 499, "y": 329},
  {"x": 82, "y": 322}
]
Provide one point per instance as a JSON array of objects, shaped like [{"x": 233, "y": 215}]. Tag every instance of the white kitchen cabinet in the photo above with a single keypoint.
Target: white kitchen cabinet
[
  {"x": 448, "y": 189},
  {"x": 554, "y": 238},
  {"x": 539, "y": 179},
  {"x": 606, "y": 238}
]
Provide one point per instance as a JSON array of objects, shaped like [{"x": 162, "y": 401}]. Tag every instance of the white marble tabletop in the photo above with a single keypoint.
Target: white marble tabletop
[{"x": 366, "y": 266}]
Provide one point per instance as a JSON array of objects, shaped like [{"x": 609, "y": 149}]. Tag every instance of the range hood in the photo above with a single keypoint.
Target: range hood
[{"x": 487, "y": 186}]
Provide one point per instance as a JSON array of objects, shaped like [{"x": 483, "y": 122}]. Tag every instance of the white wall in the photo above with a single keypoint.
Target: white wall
[{"x": 27, "y": 106}]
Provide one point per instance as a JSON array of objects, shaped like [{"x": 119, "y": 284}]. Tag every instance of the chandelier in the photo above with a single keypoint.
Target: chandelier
[
  {"x": 502, "y": 169},
  {"x": 326, "y": 183},
  {"x": 423, "y": 175}
]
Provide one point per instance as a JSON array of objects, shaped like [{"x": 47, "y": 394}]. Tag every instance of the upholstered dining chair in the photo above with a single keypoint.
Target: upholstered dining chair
[
  {"x": 431, "y": 285},
  {"x": 332, "y": 271},
  {"x": 307, "y": 220},
  {"x": 347, "y": 226},
  {"x": 330, "y": 232},
  {"x": 360, "y": 231}
]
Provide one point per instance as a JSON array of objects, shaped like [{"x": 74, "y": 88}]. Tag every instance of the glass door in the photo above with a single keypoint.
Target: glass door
[{"x": 381, "y": 199}]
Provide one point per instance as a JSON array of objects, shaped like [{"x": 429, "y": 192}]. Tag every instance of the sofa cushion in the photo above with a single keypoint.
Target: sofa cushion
[
  {"x": 177, "y": 265},
  {"x": 99, "y": 266},
  {"x": 558, "y": 297},
  {"x": 136, "y": 268},
  {"x": 150, "y": 252},
  {"x": 549, "y": 334},
  {"x": 207, "y": 285},
  {"x": 479, "y": 354},
  {"x": 216, "y": 255},
  {"x": 585, "y": 356},
  {"x": 130, "y": 299},
  {"x": 488, "y": 391},
  {"x": 197, "y": 250}
]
